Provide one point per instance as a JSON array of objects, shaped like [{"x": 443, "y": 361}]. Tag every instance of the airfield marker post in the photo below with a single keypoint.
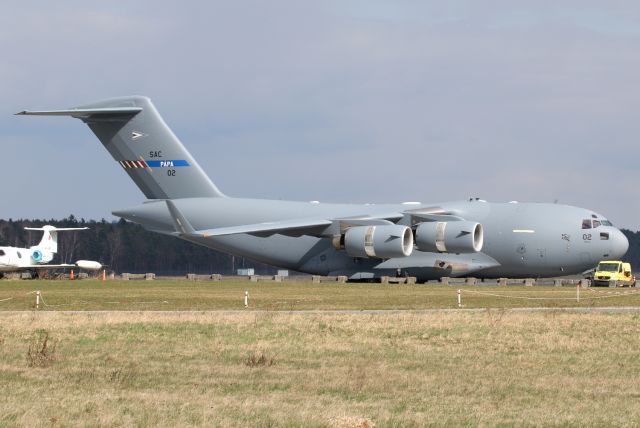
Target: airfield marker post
[
  {"x": 578, "y": 292},
  {"x": 246, "y": 299},
  {"x": 459, "y": 298},
  {"x": 38, "y": 299}
]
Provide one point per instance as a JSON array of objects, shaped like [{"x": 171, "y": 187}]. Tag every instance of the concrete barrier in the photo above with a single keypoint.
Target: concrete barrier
[
  {"x": 129, "y": 276},
  {"x": 317, "y": 279},
  {"x": 213, "y": 277},
  {"x": 397, "y": 280},
  {"x": 274, "y": 278}
]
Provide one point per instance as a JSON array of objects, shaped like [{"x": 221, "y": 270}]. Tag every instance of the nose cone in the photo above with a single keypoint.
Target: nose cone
[{"x": 619, "y": 244}]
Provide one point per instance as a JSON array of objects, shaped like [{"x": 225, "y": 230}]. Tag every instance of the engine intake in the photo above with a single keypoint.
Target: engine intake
[
  {"x": 450, "y": 237},
  {"x": 36, "y": 255},
  {"x": 379, "y": 241}
]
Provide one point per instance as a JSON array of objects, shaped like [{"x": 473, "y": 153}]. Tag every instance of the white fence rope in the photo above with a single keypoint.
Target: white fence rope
[
  {"x": 611, "y": 294},
  {"x": 78, "y": 302}
]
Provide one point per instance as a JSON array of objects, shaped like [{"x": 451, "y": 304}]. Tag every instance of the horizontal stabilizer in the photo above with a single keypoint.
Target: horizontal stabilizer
[
  {"x": 56, "y": 229},
  {"x": 81, "y": 113}
]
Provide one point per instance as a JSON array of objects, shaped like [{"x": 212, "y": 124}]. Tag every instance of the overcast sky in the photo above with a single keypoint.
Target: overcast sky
[{"x": 341, "y": 101}]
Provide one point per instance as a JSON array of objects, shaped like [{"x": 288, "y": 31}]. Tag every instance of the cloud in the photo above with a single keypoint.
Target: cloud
[{"x": 366, "y": 101}]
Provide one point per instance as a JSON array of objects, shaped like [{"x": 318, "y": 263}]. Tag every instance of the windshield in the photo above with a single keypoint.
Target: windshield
[{"x": 608, "y": 267}]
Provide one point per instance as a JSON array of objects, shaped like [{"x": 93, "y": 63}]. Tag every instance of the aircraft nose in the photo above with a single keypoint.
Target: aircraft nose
[{"x": 619, "y": 243}]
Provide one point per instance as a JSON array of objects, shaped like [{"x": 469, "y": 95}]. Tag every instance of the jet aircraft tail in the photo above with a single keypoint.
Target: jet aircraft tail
[
  {"x": 133, "y": 131},
  {"x": 49, "y": 241}
]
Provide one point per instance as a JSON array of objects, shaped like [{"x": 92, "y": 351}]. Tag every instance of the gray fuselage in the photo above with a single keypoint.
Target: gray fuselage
[{"x": 520, "y": 239}]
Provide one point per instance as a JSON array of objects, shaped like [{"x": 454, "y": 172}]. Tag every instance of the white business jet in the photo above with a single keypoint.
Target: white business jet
[{"x": 37, "y": 257}]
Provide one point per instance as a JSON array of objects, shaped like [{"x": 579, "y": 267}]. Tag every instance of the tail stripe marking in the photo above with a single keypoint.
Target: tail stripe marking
[{"x": 135, "y": 164}]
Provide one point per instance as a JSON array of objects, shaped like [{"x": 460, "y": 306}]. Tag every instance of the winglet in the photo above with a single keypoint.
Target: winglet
[{"x": 181, "y": 224}]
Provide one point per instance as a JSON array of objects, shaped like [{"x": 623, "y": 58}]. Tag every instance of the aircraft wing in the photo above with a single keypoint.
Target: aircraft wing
[
  {"x": 41, "y": 267},
  {"x": 291, "y": 227},
  {"x": 80, "y": 264},
  {"x": 298, "y": 227}
]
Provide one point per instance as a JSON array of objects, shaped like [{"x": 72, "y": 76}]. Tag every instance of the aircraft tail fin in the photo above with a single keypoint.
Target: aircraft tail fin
[
  {"x": 135, "y": 134},
  {"x": 49, "y": 241}
]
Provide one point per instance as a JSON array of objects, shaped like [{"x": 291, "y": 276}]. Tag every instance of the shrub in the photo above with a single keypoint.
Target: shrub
[
  {"x": 259, "y": 359},
  {"x": 42, "y": 350}
]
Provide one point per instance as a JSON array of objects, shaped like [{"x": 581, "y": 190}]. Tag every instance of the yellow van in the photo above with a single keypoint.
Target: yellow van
[{"x": 614, "y": 274}]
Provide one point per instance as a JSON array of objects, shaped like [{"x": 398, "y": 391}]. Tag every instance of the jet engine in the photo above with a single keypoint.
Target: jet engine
[
  {"x": 40, "y": 256},
  {"x": 36, "y": 256},
  {"x": 449, "y": 237},
  {"x": 379, "y": 241}
]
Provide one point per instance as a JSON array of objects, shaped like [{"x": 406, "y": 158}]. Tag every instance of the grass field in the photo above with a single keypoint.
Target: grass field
[
  {"x": 192, "y": 295},
  {"x": 281, "y": 369},
  {"x": 133, "y": 366}
]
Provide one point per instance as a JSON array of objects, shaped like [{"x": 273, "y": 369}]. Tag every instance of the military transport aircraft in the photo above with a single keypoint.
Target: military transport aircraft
[
  {"x": 37, "y": 257},
  {"x": 470, "y": 237}
]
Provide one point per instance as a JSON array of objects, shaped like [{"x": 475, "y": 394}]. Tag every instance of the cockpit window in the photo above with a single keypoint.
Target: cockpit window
[
  {"x": 19, "y": 254},
  {"x": 2, "y": 253},
  {"x": 606, "y": 223},
  {"x": 596, "y": 223},
  {"x": 586, "y": 223}
]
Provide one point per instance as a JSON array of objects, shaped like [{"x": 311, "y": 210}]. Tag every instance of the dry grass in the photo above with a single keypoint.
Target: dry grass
[{"x": 444, "y": 369}]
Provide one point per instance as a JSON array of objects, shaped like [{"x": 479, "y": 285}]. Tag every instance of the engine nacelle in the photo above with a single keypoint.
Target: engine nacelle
[
  {"x": 379, "y": 241},
  {"x": 450, "y": 237},
  {"x": 41, "y": 256}
]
